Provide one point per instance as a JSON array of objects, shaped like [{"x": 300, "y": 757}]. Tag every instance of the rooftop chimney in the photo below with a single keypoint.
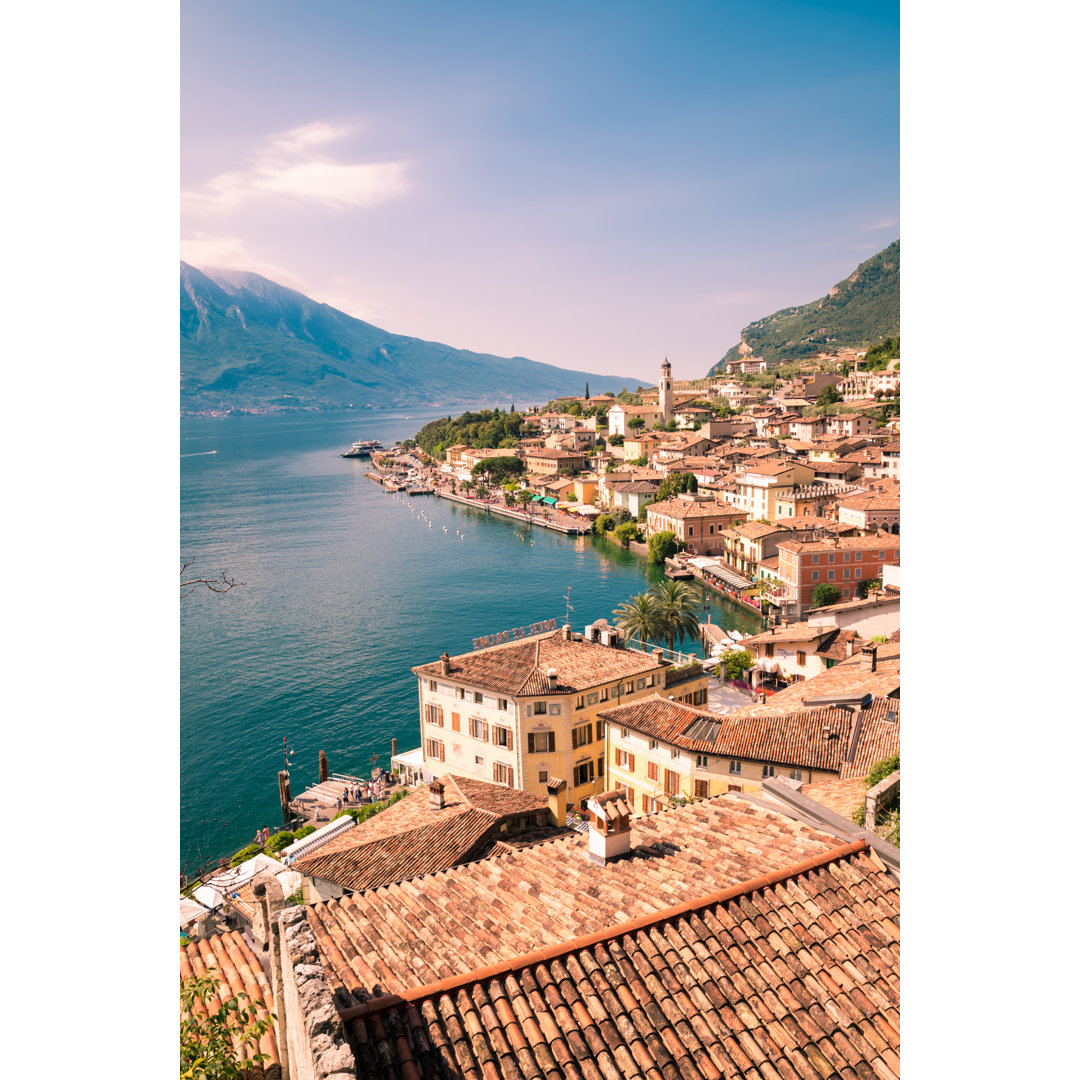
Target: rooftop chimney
[
  {"x": 868, "y": 657},
  {"x": 436, "y": 795},
  {"x": 567, "y": 633},
  {"x": 658, "y": 655},
  {"x": 849, "y": 648},
  {"x": 445, "y": 661},
  {"x": 556, "y": 793},
  {"x": 609, "y": 826},
  {"x": 552, "y": 679}
]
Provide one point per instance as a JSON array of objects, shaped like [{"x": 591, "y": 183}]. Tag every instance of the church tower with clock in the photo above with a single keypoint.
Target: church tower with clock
[{"x": 667, "y": 406}]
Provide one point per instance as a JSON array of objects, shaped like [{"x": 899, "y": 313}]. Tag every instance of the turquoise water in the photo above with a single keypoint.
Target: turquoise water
[{"x": 344, "y": 591}]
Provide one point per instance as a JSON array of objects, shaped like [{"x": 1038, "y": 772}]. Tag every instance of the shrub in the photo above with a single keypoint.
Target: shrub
[
  {"x": 626, "y": 532},
  {"x": 619, "y": 516},
  {"x": 304, "y": 830},
  {"x": 881, "y": 769},
  {"x": 279, "y": 841},
  {"x": 662, "y": 545},
  {"x": 737, "y": 663},
  {"x": 602, "y": 524},
  {"x": 824, "y": 594},
  {"x": 244, "y": 854}
]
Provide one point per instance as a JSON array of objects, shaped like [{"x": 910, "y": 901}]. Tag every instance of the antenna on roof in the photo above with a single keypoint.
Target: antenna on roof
[{"x": 568, "y": 607}]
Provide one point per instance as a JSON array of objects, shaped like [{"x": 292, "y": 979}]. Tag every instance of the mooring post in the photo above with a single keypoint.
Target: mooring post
[
  {"x": 283, "y": 789},
  {"x": 393, "y": 750},
  {"x": 324, "y": 767}
]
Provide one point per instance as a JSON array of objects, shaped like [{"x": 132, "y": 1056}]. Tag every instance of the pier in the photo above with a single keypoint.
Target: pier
[{"x": 569, "y": 528}]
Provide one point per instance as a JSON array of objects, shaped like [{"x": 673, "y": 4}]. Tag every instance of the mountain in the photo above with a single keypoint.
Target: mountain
[
  {"x": 859, "y": 311},
  {"x": 247, "y": 343}
]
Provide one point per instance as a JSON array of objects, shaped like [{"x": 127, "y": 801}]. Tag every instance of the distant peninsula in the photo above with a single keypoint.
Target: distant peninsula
[
  {"x": 860, "y": 311},
  {"x": 248, "y": 344}
]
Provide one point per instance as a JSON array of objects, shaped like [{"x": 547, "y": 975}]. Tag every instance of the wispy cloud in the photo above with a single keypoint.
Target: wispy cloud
[
  {"x": 891, "y": 223},
  {"x": 232, "y": 253},
  {"x": 296, "y": 166}
]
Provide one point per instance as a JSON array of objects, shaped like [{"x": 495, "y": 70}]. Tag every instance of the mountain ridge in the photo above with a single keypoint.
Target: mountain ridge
[
  {"x": 857, "y": 312},
  {"x": 250, "y": 344}
]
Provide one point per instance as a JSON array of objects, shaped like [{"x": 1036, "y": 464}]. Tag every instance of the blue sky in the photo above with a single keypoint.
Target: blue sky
[{"x": 591, "y": 185}]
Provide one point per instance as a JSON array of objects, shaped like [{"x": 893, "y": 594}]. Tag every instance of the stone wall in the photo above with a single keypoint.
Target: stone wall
[
  {"x": 307, "y": 1015},
  {"x": 881, "y": 796}
]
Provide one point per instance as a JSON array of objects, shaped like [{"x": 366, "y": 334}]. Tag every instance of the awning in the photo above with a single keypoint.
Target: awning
[
  {"x": 549, "y": 500},
  {"x": 723, "y": 572}
]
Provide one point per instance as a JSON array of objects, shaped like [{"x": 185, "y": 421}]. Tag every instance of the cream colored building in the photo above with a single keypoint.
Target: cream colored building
[
  {"x": 527, "y": 710},
  {"x": 757, "y": 489}
]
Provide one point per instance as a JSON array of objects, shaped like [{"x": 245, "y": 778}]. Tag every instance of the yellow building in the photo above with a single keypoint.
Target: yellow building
[
  {"x": 659, "y": 750},
  {"x": 523, "y": 708},
  {"x": 585, "y": 488}
]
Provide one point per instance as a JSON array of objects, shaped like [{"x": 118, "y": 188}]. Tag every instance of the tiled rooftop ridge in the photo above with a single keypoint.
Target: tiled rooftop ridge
[{"x": 609, "y": 933}]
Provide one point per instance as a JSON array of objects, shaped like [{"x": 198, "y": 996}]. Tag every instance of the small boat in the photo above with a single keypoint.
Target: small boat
[{"x": 363, "y": 448}]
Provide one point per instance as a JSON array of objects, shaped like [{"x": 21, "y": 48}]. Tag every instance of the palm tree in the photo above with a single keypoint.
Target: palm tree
[
  {"x": 678, "y": 609},
  {"x": 639, "y": 617}
]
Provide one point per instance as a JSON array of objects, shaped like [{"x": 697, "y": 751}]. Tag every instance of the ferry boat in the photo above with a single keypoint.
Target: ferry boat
[{"x": 363, "y": 448}]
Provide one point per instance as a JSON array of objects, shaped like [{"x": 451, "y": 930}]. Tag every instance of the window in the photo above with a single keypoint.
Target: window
[
  {"x": 847, "y": 574},
  {"x": 478, "y": 760},
  {"x": 653, "y": 744},
  {"x": 650, "y": 805},
  {"x": 858, "y": 573},
  {"x": 832, "y": 574},
  {"x": 583, "y": 773},
  {"x": 624, "y": 759},
  {"x": 671, "y": 782},
  {"x": 543, "y": 776},
  {"x": 796, "y": 774},
  {"x": 599, "y": 730},
  {"x": 541, "y": 742},
  {"x": 580, "y": 736},
  {"x": 461, "y": 693},
  {"x": 815, "y": 559},
  {"x": 767, "y": 771},
  {"x": 847, "y": 556},
  {"x": 580, "y": 702},
  {"x": 701, "y": 789},
  {"x": 502, "y": 736},
  {"x": 432, "y": 684},
  {"x": 503, "y": 774},
  {"x": 629, "y": 687},
  {"x": 478, "y": 697},
  {"x": 502, "y": 704},
  {"x": 433, "y": 715},
  {"x": 703, "y": 761},
  {"x": 604, "y": 694},
  {"x": 846, "y": 593},
  {"x": 858, "y": 556},
  {"x": 769, "y": 649},
  {"x": 653, "y": 770},
  {"x": 832, "y": 558},
  {"x": 434, "y": 750},
  {"x": 814, "y": 576},
  {"x": 674, "y": 753},
  {"x": 539, "y": 708},
  {"x": 735, "y": 767},
  {"x": 478, "y": 728},
  {"x": 623, "y": 732},
  {"x": 690, "y": 531},
  {"x": 800, "y": 659},
  {"x": 881, "y": 554},
  {"x": 629, "y": 795}
]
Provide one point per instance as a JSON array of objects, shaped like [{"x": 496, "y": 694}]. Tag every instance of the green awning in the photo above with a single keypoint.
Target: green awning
[
  {"x": 538, "y": 498},
  {"x": 550, "y": 500}
]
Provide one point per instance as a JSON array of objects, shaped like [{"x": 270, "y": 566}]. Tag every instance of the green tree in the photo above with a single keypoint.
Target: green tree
[
  {"x": 679, "y": 610},
  {"x": 738, "y": 662},
  {"x": 662, "y": 545},
  {"x": 829, "y": 396},
  {"x": 498, "y": 469},
  {"x": 586, "y": 391},
  {"x": 639, "y": 619},
  {"x": 212, "y": 1041},
  {"x": 626, "y": 532},
  {"x": 824, "y": 594},
  {"x": 635, "y": 423},
  {"x": 620, "y": 515},
  {"x": 602, "y": 524}
]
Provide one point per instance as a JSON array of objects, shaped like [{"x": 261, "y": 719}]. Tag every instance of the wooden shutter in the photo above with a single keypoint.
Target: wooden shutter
[
  {"x": 484, "y": 729},
  {"x": 630, "y": 758},
  {"x": 510, "y": 744},
  {"x": 440, "y": 716},
  {"x": 510, "y": 775},
  {"x": 671, "y": 782},
  {"x": 455, "y": 721},
  {"x": 532, "y": 742},
  {"x": 551, "y": 742}
]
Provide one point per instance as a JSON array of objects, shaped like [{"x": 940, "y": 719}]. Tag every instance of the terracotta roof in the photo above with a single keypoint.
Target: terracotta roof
[
  {"x": 790, "y": 739},
  {"x": 684, "y": 508},
  {"x": 846, "y": 678},
  {"x": 845, "y": 543},
  {"x": 791, "y": 975},
  {"x": 800, "y": 631},
  {"x": 835, "y": 648},
  {"x": 519, "y": 668},
  {"x": 843, "y": 797},
  {"x": 418, "y": 840},
  {"x": 637, "y": 487},
  {"x": 406, "y": 935},
  {"x": 870, "y": 501},
  {"x": 229, "y": 957}
]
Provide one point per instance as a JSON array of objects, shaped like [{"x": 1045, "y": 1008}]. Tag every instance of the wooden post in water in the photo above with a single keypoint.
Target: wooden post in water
[
  {"x": 324, "y": 767},
  {"x": 283, "y": 789},
  {"x": 393, "y": 751}
]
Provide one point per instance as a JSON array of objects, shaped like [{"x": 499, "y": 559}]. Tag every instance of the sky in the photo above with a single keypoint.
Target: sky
[{"x": 595, "y": 186}]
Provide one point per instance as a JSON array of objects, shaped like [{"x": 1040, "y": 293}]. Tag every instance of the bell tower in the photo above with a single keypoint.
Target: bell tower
[{"x": 666, "y": 403}]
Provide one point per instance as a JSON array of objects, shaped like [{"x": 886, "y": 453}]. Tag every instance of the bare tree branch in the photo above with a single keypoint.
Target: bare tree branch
[{"x": 220, "y": 584}]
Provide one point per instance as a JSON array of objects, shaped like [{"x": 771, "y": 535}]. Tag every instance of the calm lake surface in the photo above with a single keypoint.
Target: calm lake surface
[{"x": 345, "y": 590}]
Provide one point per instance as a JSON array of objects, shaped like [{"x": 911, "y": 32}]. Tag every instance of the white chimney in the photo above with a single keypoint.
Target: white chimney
[
  {"x": 553, "y": 680},
  {"x": 609, "y": 826},
  {"x": 436, "y": 795}
]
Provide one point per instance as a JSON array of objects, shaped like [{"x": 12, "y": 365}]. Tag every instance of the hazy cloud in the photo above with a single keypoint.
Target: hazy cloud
[
  {"x": 880, "y": 225},
  {"x": 295, "y": 166},
  {"x": 232, "y": 253}
]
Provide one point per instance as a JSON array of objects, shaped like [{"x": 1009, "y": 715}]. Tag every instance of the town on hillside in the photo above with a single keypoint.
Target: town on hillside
[{"x": 607, "y": 857}]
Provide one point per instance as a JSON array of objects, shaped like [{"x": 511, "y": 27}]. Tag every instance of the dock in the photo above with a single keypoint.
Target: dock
[
  {"x": 517, "y": 515},
  {"x": 319, "y": 804}
]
